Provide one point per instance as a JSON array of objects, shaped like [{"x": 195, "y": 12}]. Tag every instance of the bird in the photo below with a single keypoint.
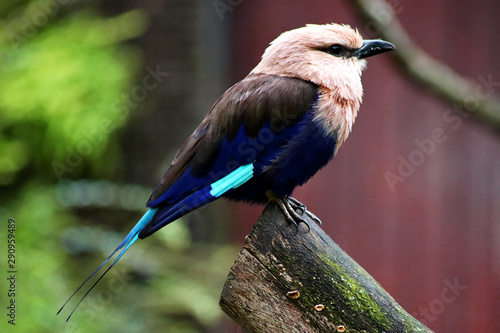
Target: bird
[{"x": 268, "y": 133}]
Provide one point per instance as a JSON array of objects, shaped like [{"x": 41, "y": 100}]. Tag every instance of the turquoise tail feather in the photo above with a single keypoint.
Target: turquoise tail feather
[
  {"x": 213, "y": 191},
  {"x": 127, "y": 242}
]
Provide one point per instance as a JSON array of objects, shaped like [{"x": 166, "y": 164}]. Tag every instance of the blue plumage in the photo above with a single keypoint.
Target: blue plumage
[
  {"x": 289, "y": 161},
  {"x": 279, "y": 159},
  {"x": 166, "y": 213}
]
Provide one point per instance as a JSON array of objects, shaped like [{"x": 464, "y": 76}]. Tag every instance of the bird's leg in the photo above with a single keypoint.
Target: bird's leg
[
  {"x": 299, "y": 205},
  {"x": 289, "y": 207},
  {"x": 285, "y": 205}
]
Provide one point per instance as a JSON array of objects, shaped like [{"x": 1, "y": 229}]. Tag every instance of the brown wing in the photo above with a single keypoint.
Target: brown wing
[{"x": 257, "y": 99}]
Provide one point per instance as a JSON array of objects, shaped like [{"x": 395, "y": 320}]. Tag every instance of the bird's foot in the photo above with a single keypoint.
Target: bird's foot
[
  {"x": 300, "y": 206},
  {"x": 289, "y": 206}
]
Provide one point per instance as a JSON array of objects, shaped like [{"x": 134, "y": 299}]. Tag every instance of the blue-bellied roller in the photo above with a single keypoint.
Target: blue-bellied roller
[{"x": 267, "y": 134}]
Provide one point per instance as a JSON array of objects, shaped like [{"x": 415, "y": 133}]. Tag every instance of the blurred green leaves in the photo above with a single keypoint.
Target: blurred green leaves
[
  {"x": 59, "y": 92},
  {"x": 58, "y": 83},
  {"x": 65, "y": 72}
]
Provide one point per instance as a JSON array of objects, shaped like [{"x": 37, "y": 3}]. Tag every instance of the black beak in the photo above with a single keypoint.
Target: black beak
[{"x": 373, "y": 47}]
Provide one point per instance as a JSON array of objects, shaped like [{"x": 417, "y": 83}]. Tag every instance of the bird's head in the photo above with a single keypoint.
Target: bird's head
[{"x": 329, "y": 55}]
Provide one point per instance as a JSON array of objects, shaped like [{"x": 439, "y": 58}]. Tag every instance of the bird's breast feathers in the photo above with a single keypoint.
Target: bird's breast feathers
[
  {"x": 336, "y": 113},
  {"x": 340, "y": 96}
]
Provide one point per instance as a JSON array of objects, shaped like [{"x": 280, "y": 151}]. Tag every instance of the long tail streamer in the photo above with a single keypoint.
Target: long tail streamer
[
  {"x": 201, "y": 198},
  {"x": 125, "y": 244}
]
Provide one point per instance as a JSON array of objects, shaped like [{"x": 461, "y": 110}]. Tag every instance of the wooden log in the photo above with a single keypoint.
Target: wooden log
[{"x": 296, "y": 279}]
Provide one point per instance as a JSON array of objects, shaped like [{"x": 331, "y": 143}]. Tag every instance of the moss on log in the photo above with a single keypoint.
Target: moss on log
[{"x": 289, "y": 279}]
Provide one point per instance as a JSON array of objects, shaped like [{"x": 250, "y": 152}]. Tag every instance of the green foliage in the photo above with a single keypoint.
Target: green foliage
[
  {"x": 60, "y": 94},
  {"x": 62, "y": 86},
  {"x": 149, "y": 290}
]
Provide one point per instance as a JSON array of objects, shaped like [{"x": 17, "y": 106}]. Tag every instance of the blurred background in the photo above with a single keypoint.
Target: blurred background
[{"x": 96, "y": 97}]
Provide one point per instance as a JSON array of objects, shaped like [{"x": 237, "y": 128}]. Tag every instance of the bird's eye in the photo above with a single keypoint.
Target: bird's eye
[{"x": 335, "y": 50}]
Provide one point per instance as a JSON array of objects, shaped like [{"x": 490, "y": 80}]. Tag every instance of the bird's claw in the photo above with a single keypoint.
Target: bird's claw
[
  {"x": 314, "y": 218},
  {"x": 289, "y": 206},
  {"x": 300, "y": 206}
]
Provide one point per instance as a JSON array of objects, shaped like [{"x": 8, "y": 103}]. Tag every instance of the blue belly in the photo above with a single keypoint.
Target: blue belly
[{"x": 288, "y": 160}]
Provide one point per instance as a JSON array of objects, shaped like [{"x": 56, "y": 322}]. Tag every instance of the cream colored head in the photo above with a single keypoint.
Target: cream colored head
[
  {"x": 305, "y": 53},
  {"x": 331, "y": 56},
  {"x": 302, "y": 53}
]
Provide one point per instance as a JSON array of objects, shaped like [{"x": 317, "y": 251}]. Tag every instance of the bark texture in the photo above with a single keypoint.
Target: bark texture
[{"x": 289, "y": 279}]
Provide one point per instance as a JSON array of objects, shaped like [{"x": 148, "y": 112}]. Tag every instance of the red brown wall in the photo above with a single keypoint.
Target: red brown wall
[{"x": 433, "y": 241}]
